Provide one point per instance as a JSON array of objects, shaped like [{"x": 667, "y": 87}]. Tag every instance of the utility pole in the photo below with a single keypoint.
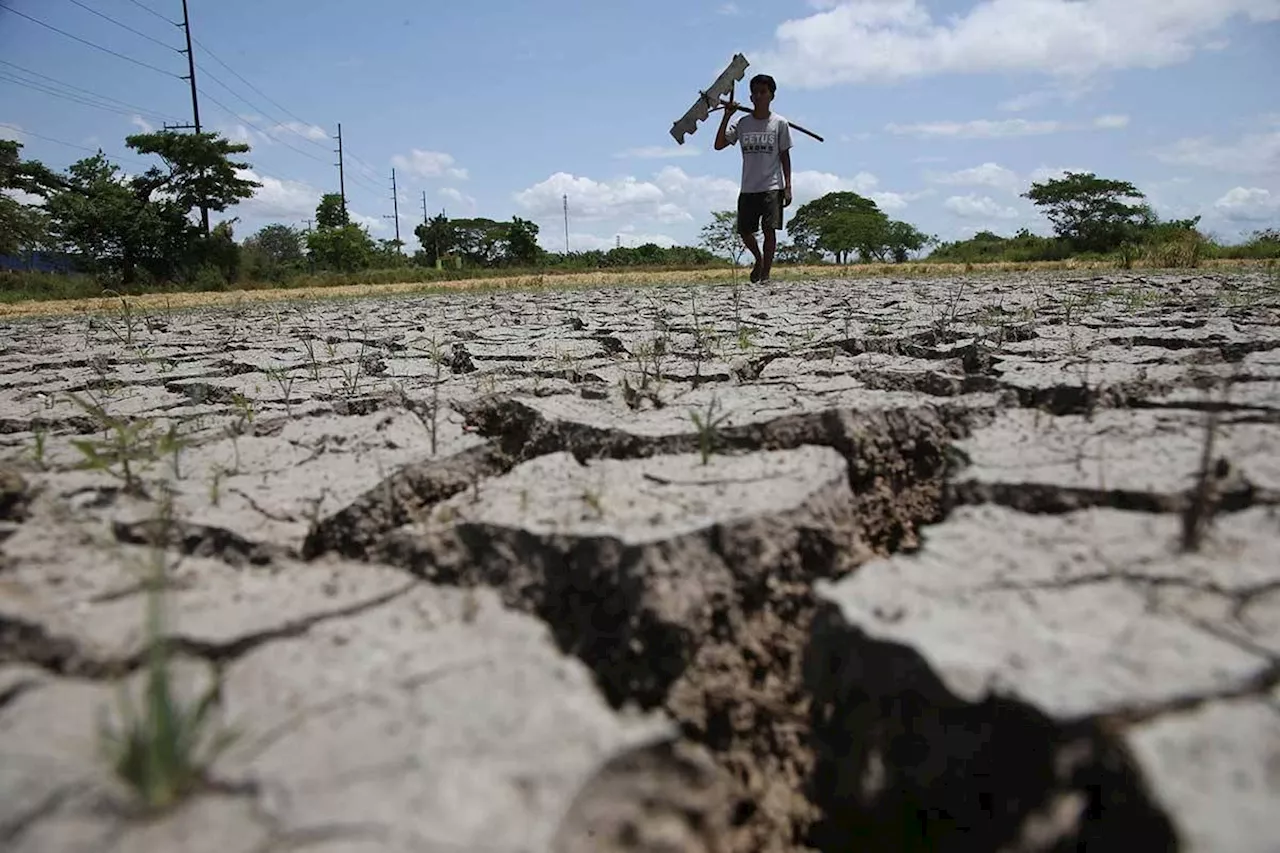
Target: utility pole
[
  {"x": 566, "y": 223},
  {"x": 308, "y": 221},
  {"x": 195, "y": 100},
  {"x": 424, "y": 207},
  {"x": 342, "y": 184},
  {"x": 395, "y": 206}
]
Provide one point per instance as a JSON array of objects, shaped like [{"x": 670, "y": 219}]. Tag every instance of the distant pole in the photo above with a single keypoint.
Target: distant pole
[
  {"x": 342, "y": 183},
  {"x": 195, "y": 100},
  {"x": 619, "y": 242},
  {"x": 395, "y": 205},
  {"x": 566, "y": 223},
  {"x": 308, "y": 221},
  {"x": 424, "y": 207}
]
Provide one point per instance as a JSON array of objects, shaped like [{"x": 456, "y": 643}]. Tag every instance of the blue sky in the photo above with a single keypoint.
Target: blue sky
[{"x": 942, "y": 111}]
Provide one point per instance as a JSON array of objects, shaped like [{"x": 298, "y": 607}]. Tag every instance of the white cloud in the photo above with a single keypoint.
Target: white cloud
[
  {"x": 142, "y": 124},
  {"x": 658, "y": 152},
  {"x": 808, "y": 184},
  {"x": 985, "y": 175},
  {"x": 1248, "y": 204},
  {"x": 1252, "y": 153},
  {"x": 672, "y": 197},
  {"x": 978, "y": 128},
  {"x": 979, "y": 207},
  {"x": 278, "y": 199},
  {"x": 729, "y": 9},
  {"x": 591, "y": 199},
  {"x": 863, "y": 40},
  {"x": 1000, "y": 128},
  {"x": 429, "y": 164},
  {"x": 554, "y": 240},
  {"x": 309, "y": 131},
  {"x": 1111, "y": 122},
  {"x": 458, "y": 198}
]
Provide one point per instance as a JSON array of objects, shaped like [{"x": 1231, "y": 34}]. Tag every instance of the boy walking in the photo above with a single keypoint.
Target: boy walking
[{"x": 765, "y": 139}]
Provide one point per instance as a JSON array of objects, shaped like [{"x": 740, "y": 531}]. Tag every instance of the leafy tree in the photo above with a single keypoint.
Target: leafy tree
[
  {"x": 344, "y": 249},
  {"x": 827, "y": 223},
  {"x": 902, "y": 238},
  {"x": 115, "y": 226},
  {"x": 1090, "y": 212},
  {"x": 720, "y": 235},
  {"x": 522, "y": 243},
  {"x": 331, "y": 213},
  {"x": 281, "y": 244},
  {"x": 480, "y": 241},
  {"x": 201, "y": 173},
  {"x": 273, "y": 252},
  {"x": 437, "y": 238},
  {"x": 22, "y": 226}
]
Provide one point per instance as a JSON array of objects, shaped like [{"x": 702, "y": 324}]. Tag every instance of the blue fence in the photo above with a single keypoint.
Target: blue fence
[{"x": 38, "y": 262}]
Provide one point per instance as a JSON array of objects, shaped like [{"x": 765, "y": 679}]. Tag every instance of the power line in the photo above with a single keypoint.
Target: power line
[
  {"x": 72, "y": 97},
  {"x": 154, "y": 12},
  {"x": 123, "y": 26},
  {"x": 26, "y": 132},
  {"x": 239, "y": 117},
  {"x": 89, "y": 43},
  {"x": 276, "y": 103},
  {"x": 89, "y": 92}
]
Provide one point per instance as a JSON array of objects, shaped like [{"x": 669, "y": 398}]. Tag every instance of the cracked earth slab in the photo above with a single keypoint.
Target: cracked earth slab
[
  {"x": 1144, "y": 458},
  {"x": 681, "y": 584},
  {"x": 567, "y": 495},
  {"x": 437, "y": 718},
  {"x": 1089, "y": 649}
]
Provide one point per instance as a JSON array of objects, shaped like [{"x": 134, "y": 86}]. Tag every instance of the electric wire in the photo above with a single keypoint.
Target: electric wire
[
  {"x": 276, "y": 103},
  {"x": 72, "y": 97},
  {"x": 26, "y": 132},
  {"x": 142, "y": 110},
  {"x": 154, "y": 12},
  {"x": 89, "y": 43},
  {"x": 93, "y": 11}
]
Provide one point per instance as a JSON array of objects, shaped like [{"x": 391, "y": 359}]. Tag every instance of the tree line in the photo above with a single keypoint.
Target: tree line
[{"x": 142, "y": 229}]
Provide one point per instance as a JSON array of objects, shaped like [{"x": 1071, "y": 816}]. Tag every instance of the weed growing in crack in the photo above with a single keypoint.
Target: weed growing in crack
[
  {"x": 284, "y": 380},
  {"x": 125, "y": 443},
  {"x": 707, "y": 424},
  {"x": 1200, "y": 509},
  {"x": 163, "y": 753},
  {"x": 312, "y": 365}
]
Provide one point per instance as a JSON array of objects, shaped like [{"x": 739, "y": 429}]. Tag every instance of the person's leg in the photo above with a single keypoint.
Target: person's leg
[
  {"x": 749, "y": 210},
  {"x": 770, "y": 222}
]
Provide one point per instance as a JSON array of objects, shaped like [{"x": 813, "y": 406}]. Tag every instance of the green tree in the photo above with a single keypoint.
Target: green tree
[
  {"x": 115, "y": 226},
  {"x": 331, "y": 212},
  {"x": 827, "y": 223},
  {"x": 437, "y": 238},
  {"x": 720, "y": 235},
  {"x": 1090, "y": 212},
  {"x": 23, "y": 227},
  {"x": 344, "y": 249},
  {"x": 273, "y": 252},
  {"x": 903, "y": 238},
  {"x": 200, "y": 172},
  {"x": 522, "y": 247}
]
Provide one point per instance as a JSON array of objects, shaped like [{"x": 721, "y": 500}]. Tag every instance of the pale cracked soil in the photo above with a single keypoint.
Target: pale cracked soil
[{"x": 877, "y": 565}]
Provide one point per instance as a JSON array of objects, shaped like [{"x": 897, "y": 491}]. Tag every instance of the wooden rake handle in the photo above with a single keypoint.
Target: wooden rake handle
[{"x": 790, "y": 124}]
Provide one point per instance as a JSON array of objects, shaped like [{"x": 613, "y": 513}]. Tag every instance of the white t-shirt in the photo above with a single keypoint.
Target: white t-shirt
[{"x": 762, "y": 142}]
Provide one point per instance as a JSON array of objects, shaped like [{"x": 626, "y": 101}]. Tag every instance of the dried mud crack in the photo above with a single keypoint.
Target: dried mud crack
[
  {"x": 886, "y": 565},
  {"x": 684, "y": 585}
]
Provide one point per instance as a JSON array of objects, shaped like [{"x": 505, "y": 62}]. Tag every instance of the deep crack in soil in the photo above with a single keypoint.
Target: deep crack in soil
[{"x": 730, "y": 673}]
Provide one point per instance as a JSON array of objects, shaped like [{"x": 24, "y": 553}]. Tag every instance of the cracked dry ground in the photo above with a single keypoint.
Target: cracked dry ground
[{"x": 875, "y": 565}]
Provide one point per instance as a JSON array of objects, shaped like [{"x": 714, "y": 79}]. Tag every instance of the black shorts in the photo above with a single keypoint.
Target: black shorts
[{"x": 757, "y": 210}]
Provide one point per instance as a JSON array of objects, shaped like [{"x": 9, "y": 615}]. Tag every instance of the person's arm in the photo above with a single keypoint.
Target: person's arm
[
  {"x": 784, "y": 148},
  {"x": 726, "y": 135}
]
